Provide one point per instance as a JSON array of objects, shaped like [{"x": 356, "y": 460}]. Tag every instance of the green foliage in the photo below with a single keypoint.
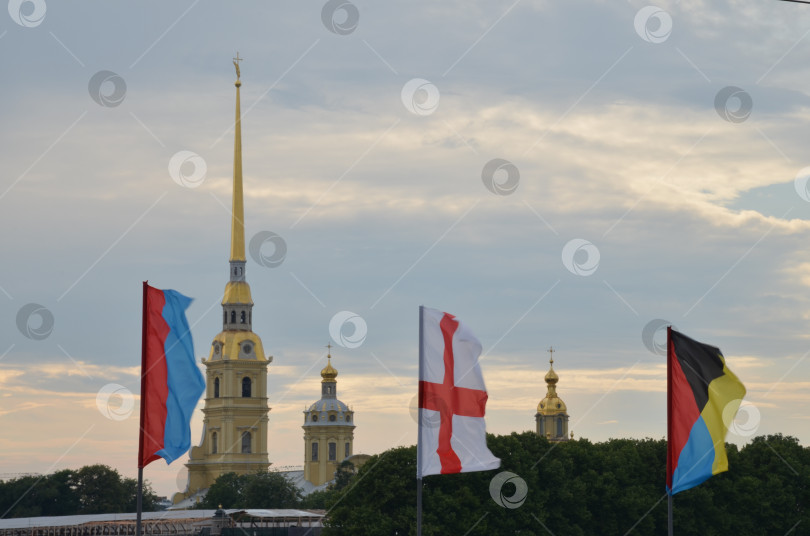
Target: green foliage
[
  {"x": 270, "y": 490},
  {"x": 227, "y": 491},
  {"x": 319, "y": 500},
  {"x": 581, "y": 488},
  {"x": 93, "y": 489},
  {"x": 343, "y": 475},
  {"x": 258, "y": 490}
]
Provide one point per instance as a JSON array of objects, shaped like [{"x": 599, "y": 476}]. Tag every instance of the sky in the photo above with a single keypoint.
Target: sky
[{"x": 567, "y": 174}]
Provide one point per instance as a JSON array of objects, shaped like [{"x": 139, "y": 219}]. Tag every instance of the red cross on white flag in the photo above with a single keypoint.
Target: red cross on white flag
[{"x": 452, "y": 399}]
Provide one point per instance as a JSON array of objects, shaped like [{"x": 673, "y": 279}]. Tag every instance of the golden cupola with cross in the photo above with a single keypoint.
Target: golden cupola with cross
[
  {"x": 328, "y": 430},
  {"x": 236, "y": 410},
  {"x": 552, "y": 414}
]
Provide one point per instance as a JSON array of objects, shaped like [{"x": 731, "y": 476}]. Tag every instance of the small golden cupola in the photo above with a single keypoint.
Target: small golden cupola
[
  {"x": 552, "y": 414},
  {"x": 329, "y": 373}
]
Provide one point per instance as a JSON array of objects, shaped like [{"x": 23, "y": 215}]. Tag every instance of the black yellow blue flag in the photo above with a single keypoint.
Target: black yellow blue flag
[{"x": 703, "y": 396}]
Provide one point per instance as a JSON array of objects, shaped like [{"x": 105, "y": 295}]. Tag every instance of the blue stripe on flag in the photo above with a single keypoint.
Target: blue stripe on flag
[
  {"x": 696, "y": 459},
  {"x": 186, "y": 382}
]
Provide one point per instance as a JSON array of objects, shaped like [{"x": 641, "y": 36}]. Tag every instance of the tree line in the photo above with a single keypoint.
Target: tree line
[
  {"x": 572, "y": 488},
  {"x": 270, "y": 489},
  {"x": 93, "y": 489},
  {"x": 579, "y": 488}
]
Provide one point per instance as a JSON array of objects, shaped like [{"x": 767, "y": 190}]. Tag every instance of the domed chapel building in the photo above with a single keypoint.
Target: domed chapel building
[
  {"x": 328, "y": 430},
  {"x": 552, "y": 414}
]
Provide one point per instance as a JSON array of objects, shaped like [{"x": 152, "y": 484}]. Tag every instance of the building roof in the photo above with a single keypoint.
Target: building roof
[
  {"x": 304, "y": 486},
  {"x": 329, "y": 404},
  {"x": 168, "y": 515}
]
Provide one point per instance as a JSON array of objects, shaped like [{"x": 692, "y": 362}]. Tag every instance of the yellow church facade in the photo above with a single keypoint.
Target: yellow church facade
[{"x": 236, "y": 411}]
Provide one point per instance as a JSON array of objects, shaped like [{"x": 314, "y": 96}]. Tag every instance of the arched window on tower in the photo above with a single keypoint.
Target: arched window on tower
[
  {"x": 246, "y": 443},
  {"x": 216, "y": 388},
  {"x": 250, "y": 317},
  {"x": 224, "y": 317},
  {"x": 214, "y": 443},
  {"x": 245, "y": 387},
  {"x": 314, "y": 451},
  {"x": 542, "y": 426},
  {"x": 233, "y": 317},
  {"x": 559, "y": 427},
  {"x": 243, "y": 317},
  {"x": 332, "y": 452},
  {"x": 348, "y": 451}
]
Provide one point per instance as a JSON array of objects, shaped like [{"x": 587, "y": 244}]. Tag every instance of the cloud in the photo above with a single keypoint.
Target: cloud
[{"x": 108, "y": 372}]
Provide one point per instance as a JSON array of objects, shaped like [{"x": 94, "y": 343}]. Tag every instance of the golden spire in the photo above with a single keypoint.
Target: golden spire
[
  {"x": 238, "y": 211},
  {"x": 237, "y": 290}
]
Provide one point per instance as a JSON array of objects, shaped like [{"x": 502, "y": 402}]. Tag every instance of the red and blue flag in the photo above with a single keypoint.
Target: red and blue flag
[
  {"x": 703, "y": 396},
  {"x": 171, "y": 383}
]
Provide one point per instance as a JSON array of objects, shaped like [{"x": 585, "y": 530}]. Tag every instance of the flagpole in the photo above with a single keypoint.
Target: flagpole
[
  {"x": 669, "y": 429},
  {"x": 418, "y": 506},
  {"x": 139, "y": 499},
  {"x": 669, "y": 514},
  {"x": 419, "y": 432}
]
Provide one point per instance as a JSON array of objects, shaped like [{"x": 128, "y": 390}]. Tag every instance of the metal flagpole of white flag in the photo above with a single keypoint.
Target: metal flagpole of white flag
[{"x": 419, "y": 429}]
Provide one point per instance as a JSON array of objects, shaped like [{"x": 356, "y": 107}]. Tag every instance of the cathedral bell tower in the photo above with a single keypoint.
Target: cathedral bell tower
[
  {"x": 552, "y": 415},
  {"x": 235, "y": 423},
  {"x": 328, "y": 430}
]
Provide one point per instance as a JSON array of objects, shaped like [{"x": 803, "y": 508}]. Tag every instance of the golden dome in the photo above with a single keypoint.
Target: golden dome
[
  {"x": 551, "y": 405},
  {"x": 329, "y": 373}
]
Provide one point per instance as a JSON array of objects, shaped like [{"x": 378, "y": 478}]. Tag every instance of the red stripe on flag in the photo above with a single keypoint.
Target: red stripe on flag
[
  {"x": 154, "y": 378},
  {"x": 448, "y": 457},
  {"x": 682, "y": 409}
]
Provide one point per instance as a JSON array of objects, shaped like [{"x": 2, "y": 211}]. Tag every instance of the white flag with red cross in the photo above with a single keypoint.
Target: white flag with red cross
[{"x": 452, "y": 398}]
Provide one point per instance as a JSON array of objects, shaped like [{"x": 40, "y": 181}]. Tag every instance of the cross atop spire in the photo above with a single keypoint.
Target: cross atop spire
[
  {"x": 236, "y": 61},
  {"x": 551, "y": 351},
  {"x": 329, "y": 351}
]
